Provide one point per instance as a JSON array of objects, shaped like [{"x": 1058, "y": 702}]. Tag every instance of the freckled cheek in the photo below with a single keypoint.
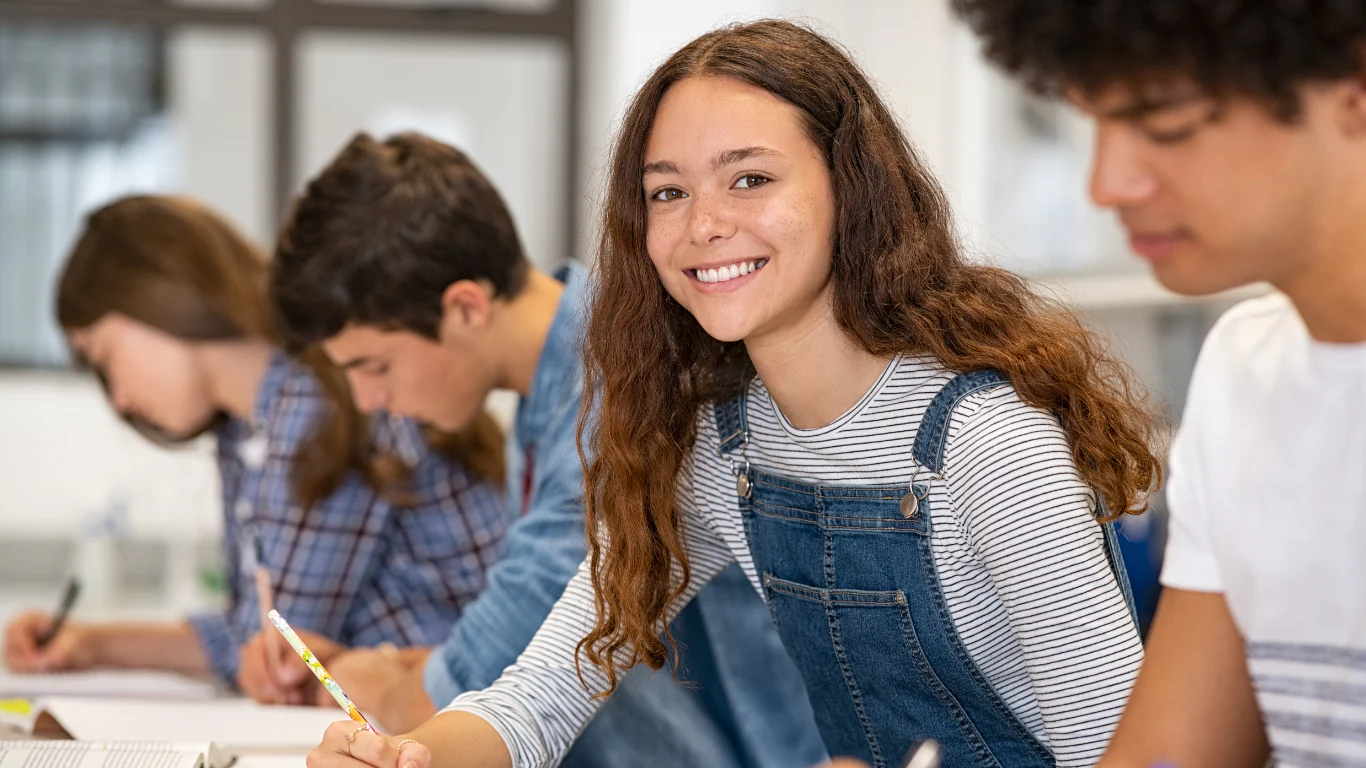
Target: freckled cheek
[
  {"x": 789, "y": 228},
  {"x": 661, "y": 241}
]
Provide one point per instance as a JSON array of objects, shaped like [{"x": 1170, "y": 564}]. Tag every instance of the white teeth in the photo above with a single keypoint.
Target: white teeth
[{"x": 722, "y": 274}]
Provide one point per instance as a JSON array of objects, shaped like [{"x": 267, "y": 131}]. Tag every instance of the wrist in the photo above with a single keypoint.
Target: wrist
[
  {"x": 89, "y": 645},
  {"x": 405, "y": 702}
]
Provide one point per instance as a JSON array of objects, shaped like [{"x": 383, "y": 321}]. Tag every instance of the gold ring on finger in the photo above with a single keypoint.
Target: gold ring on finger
[{"x": 351, "y": 738}]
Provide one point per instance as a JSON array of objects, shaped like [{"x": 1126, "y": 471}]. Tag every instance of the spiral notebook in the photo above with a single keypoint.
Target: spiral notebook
[{"x": 110, "y": 754}]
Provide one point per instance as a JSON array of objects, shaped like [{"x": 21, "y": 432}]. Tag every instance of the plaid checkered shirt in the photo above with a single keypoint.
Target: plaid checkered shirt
[{"x": 355, "y": 567}]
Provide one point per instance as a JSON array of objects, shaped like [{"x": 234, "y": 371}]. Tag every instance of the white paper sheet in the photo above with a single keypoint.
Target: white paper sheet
[
  {"x": 121, "y": 683},
  {"x": 237, "y": 726}
]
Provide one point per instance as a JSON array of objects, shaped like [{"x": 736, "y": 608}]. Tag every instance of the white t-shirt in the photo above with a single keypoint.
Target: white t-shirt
[{"x": 1268, "y": 506}]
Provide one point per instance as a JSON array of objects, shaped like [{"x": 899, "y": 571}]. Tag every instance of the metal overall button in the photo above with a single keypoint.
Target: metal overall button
[{"x": 910, "y": 503}]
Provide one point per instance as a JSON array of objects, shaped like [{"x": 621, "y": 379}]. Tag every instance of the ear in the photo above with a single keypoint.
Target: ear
[
  {"x": 1352, "y": 106},
  {"x": 466, "y": 308}
]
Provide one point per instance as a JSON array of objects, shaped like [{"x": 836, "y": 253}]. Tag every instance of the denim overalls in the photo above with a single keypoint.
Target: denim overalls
[{"x": 850, "y": 581}]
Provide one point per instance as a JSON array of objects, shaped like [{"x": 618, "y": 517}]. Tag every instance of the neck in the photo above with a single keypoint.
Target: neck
[
  {"x": 812, "y": 369},
  {"x": 1330, "y": 291},
  {"x": 235, "y": 370},
  {"x": 524, "y": 324}
]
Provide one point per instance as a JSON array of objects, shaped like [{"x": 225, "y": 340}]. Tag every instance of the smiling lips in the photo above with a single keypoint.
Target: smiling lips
[{"x": 728, "y": 272}]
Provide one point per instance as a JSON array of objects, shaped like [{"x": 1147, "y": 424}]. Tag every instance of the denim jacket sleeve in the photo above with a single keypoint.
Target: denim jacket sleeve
[{"x": 542, "y": 552}]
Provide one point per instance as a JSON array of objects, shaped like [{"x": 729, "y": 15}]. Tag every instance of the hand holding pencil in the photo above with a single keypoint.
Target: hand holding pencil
[{"x": 317, "y": 668}]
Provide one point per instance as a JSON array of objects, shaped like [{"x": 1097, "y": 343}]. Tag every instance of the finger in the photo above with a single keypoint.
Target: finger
[
  {"x": 22, "y": 635},
  {"x": 255, "y": 670},
  {"x": 58, "y": 654},
  {"x": 291, "y": 671},
  {"x": 414, "y": 755},
  {"x": 326, "y": 758},
  {"x": 331, "y": 753},
  {"x": 335, "y": 737},
  {"x": 341, "y": 747},
  {"x": 374, "y": 750}
]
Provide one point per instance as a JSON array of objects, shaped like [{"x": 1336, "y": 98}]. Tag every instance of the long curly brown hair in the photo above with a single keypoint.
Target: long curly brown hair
[{"x": 900, "y": 285}]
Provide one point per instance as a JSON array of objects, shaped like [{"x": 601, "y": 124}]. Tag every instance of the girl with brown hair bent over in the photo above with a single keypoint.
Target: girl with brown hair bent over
[{"x": 912, "y": 457}]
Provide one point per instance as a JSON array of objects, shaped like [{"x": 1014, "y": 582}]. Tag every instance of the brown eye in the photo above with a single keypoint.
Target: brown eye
[
  {"x": 751, "y": 180},
  {"x": 668, "y": 194}
]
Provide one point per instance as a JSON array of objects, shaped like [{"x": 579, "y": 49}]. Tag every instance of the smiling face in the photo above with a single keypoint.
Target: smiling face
[
  {"x": 1216, "y": 194},
  {"x": 741, "y": 212},
  {"x": 148, "y": 374}
]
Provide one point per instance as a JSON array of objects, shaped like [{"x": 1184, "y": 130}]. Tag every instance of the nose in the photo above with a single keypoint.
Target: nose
[
  {"x": 1119, "y": 177},
  {"x": 709, "y": 219},
  {"x": 118, "y": 396}
]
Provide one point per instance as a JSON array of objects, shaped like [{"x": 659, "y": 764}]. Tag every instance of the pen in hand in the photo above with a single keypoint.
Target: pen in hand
[{"x": 73, "y": 590}]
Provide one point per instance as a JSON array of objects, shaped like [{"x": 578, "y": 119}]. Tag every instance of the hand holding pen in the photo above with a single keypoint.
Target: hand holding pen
[{"x": 40, "y": 642}]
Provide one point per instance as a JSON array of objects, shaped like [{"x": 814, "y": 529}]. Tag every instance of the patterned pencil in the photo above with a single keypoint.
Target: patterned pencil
[{"x": 297, "y": 644}]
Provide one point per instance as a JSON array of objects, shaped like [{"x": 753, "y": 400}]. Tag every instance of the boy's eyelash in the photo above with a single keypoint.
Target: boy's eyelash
[{"x": 1170, "y": 137}]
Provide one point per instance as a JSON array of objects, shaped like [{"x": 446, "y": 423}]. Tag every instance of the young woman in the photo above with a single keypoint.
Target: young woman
[
  {"x": 799, "y": 371},
  {"x": 368, "y": 533}
]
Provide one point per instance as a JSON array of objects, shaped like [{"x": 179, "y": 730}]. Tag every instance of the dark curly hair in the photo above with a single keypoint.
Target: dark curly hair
[{"x": 1264, "y": 49}]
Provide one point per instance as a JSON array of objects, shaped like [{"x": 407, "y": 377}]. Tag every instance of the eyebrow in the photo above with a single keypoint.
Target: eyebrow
[
  {"x": 1145, "y": 106},
  {"x": 722, "y": 159}
]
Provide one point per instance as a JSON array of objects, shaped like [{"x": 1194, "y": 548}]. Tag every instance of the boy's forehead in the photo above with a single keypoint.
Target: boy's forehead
[{"x": 1135, "y": 98}]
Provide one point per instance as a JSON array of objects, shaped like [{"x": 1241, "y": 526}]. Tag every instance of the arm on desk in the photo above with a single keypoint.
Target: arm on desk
[
  {"x": 168, "y": 646},
  {"x": 449, "y": 740},
  {"x": 1193, "y": 703}
]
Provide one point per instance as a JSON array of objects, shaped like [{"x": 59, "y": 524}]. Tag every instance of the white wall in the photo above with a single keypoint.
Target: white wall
[
  {"x": 222, "y": 115},
  {"x": 500, "y": 101}
]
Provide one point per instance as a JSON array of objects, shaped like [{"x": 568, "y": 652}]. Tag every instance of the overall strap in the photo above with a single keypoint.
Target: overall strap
[
  {"x": 933, "y": 434},
  {"x": 732, "y": 424},
  {"x": 934, "y": 426}
]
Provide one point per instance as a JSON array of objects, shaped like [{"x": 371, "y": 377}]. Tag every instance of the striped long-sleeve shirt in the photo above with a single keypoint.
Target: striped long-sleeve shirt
[{"x": 1018, "y": 554}]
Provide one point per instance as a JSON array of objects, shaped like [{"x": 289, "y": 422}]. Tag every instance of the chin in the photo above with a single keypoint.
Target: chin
[
  {"x": 725, "y": 326},
  {"x": 726, "y": 332},
  {"x": 1197, "y": 280},
  {"x": 175, "y": 430}
]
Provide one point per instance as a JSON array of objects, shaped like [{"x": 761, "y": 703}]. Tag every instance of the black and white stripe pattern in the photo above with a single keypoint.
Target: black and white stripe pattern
[{"x": 1020, "y": 559}]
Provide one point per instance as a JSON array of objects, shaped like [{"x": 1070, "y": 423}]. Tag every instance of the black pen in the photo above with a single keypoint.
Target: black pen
[{"x": 73, "y": 590}]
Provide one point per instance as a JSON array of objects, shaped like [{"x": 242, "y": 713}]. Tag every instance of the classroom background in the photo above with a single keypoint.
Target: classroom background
[{"x": 237, "y": 102}]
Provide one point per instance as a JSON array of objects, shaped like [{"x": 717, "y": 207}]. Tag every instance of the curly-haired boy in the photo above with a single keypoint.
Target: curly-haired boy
[{"x": 1231, "y": 141}]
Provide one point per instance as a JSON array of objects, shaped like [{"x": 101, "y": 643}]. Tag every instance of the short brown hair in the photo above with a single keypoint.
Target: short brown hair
[{"x": 377, "y": 237}]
